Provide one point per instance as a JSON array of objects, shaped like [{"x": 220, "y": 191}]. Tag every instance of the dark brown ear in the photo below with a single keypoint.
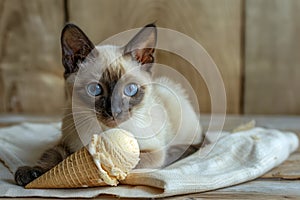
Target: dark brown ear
[
  {"x": 142, "y": 46},
  {"x": 76, "y": 46}
]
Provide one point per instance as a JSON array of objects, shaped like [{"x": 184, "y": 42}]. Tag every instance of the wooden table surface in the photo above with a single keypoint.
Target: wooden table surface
[{"x": 283, "y": 182}]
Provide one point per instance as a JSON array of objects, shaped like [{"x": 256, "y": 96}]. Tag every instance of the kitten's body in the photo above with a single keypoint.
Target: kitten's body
[{"x": 159, "y": 115}]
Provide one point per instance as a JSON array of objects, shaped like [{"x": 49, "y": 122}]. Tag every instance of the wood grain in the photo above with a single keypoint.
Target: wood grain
[
  {"x": 290, "y": 169},
  {"x": 1, "y": 74},
  {"x": 272, "y": 57},
  {"x": 215, "y": 24},
  {"x": 30, "y": 67}
]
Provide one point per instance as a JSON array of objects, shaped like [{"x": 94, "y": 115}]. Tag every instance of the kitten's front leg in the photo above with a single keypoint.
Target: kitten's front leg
[{"x": 48, "y": 160}]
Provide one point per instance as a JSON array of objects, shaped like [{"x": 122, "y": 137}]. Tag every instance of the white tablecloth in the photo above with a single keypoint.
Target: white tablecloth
[{"x": 234, "y": 158}]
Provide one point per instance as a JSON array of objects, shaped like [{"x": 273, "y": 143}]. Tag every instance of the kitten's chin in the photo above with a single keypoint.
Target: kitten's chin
[{"x": 111, "y": 123}]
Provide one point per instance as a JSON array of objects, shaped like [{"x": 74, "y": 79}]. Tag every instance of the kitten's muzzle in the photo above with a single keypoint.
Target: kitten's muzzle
[
  {"x": 116, "y": 111},
  {"x": 119, "y": 108}
]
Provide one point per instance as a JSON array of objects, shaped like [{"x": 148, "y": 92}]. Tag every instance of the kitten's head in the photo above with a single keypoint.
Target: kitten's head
[{"x": 109, "y": 81}]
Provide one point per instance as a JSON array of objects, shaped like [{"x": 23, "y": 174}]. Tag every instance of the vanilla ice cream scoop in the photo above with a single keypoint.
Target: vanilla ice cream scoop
[
  {"x": 107, "y": 159},
  {"x": 115, "y": 153}
]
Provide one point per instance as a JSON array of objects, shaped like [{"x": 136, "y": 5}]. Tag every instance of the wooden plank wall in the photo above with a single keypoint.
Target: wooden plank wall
[
  {"x": 272, "y": 64},
  {"x": 202, "y": 20},
  {"x": 31, "y": 72}
]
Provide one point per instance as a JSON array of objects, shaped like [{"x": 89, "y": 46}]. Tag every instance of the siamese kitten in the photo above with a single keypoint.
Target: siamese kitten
[{"x": 112, "y": 87}]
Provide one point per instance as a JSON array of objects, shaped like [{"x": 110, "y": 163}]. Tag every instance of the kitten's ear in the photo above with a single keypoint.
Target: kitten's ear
[
  {"x": 76, "y": 46},
  {"x": 142, "y": 46}
]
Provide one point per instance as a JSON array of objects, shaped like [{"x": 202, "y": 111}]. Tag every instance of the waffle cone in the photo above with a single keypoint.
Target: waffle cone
[{"x": 77, "y": 170}]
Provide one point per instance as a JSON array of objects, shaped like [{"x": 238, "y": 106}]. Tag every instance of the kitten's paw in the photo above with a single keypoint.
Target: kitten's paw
[{"x": 26, "y": 174}]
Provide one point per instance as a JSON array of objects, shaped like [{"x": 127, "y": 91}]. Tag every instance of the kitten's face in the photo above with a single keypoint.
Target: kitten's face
[
  {"x": 111, "y": 82},
  {"x": 114, "y": 88}
]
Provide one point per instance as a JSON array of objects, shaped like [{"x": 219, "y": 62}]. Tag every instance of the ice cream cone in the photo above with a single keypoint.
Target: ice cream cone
[
  {"x": 78, "y": 170},
  {"x": 109, "y": 158}
]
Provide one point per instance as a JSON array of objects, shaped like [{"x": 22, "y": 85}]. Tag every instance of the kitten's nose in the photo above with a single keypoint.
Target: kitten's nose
[{"x": 116, "y": 111}]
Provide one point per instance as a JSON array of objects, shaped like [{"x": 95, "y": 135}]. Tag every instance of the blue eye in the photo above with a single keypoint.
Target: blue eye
[
  {"x": 131, "y": 89},
  {"x": 94, "y": 89}
]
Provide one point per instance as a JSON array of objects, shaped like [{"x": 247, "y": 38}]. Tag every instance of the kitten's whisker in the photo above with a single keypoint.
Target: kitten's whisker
[
  {"x": 71, "y": 121},
  {"x": 78, "y": 113},
  {"x": 78, "y": 123},
  {"x": 140, "y": 118},
  {"x": 84, "y": 108}
]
